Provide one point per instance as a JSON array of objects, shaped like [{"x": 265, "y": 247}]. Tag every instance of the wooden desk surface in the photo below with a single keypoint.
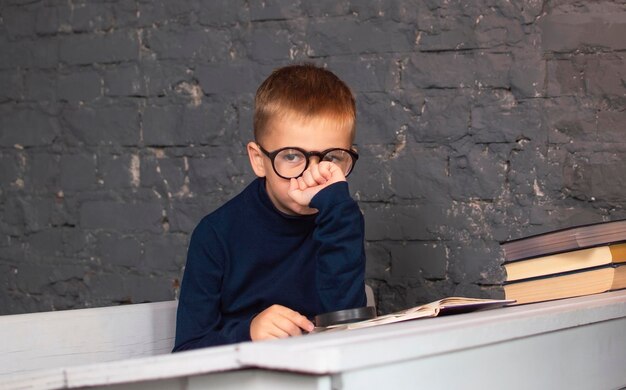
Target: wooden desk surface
[{"x": 572, "y": 343}]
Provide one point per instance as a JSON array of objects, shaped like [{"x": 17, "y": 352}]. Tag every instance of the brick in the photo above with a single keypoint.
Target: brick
[
  {"x": 270, "y": 42},
  {"x": 42, "y": 172},
  {"x": 468, "y": 263},
  {"x": 40, "y": 53},
  {"x": 418, "y": 260},
  {"x": 344, "y": 35},
  {"x": 10, "y": 85},
  {"x": 222, "y": 12},
  {"x": 235, "y": 78},
  {"x": 564, "y": 78},
  {"x": 189, "y": 44},
  {"x": 78, "y": 245},
  {"x": 123, "y": 80},
  {"x": 112, "y": 47},
  {"x": 325, "y": 8},
  {"x": 125, "y": 14},
  {"x": 87, "y": 17},
  {"x": 77, "y": 172},
  {"x": 106, "y": 288},
  {"x": 366, "y": 74},
  {"x": 117, "y": 172},
  {"x": 452, "y": 40},
  {"x": 159, "y": 124},
  {"x": 399, "y": 222},
  {"x": 108, "y": 125},
  {"x": 380, "y": 120},
  {"x": 274, "y": 10},
  {"x": 496, "y": 30},
  {"x": 47, "y": 20},
  {"x": 499, "y": 117},
  {"x": 441, "y": 70},
  {"x": 176, "y": 125},
  {"x": 569, "y": 119},
  {"x": 604, "y": 76},
  {"x": 528, "y": 74},
  {"x": 165, "y": 253},
  {"x": 172, "y": 174},
  {"x": 19, "y": 21},
  {"x": 45, "y": 244},
  {"x": 212, "y": 122},
  {"x": 567, "y": 32},
  {"x": 40, "y": 85},
  {"x": 370, "y": 179},
  {"x": 79, "y": 86},
  {"x": 186, "y": 213},
  {"x": 115, "y": 249},
  {"x": 168, "y": 174},
  {"x": 13, "y": 221},
  {"x": 211, "y": 173},
  {"x": 151, "y": 288},
  {"x": 39, "y": 213},
  {"x": 378, "y": 263},
  {"x": 477, "y": 173},
  {"x": 599, "y": 179},
  {"x": 156, "y": 12},
  {"x": 9, "y": 170},
  {"x": 428, "y": 179},
  {"x": 159, "y": 78},
  {"x": 444, "y": 118},
  {"x": 123, "y": 217},
  {"x": 611, "y": 126}
]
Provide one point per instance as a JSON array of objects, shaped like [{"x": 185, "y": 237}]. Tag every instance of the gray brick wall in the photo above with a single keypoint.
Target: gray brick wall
[{"x": 122, "y": 123}]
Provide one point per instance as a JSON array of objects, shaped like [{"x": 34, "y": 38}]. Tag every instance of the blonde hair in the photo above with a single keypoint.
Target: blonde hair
[{"x": 304, "y": 91}]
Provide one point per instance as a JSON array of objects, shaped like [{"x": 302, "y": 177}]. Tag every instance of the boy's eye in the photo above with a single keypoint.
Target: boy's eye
[
  {"x": 291, "y": 156},
  {"x": 335, "y": 157}
]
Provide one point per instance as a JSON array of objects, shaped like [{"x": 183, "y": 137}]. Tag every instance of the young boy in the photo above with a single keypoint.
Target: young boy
[{"x": 290, "y": 245}]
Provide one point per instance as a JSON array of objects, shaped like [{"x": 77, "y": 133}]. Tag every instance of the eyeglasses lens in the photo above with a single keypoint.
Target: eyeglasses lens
[{"x": 292, "y": 162}]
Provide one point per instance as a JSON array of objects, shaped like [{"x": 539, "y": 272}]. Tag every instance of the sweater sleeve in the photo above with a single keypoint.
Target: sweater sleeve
[
  {"x": 199, "y": 322},
  {"x": 340, "y": 234}
]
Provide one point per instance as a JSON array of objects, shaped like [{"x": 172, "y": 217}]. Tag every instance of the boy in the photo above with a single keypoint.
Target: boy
[{"x": 290, "y": 245}]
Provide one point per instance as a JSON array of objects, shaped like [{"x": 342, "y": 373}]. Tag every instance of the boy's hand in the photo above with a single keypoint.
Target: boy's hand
[
  {"x": 277, "y": 322},
  {"x": 313, "y": 180}
]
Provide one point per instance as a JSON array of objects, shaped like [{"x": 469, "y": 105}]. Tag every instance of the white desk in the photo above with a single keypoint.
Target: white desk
[{"x": 578, "y": 343}]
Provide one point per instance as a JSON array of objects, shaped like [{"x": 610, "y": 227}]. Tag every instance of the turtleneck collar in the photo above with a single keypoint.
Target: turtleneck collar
[{"x": 271, "y": 210}]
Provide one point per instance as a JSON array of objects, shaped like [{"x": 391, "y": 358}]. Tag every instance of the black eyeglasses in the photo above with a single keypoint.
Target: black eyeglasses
[{"x": 291, "y": 162}]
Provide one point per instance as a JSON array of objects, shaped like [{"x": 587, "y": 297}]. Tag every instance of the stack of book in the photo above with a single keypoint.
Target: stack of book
[{"x": 566, "y": 263}]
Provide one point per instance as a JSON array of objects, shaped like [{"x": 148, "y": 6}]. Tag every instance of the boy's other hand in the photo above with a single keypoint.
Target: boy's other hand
[
  {"x": 278, "y": 322},
  {"x": 313, "y": 180}
]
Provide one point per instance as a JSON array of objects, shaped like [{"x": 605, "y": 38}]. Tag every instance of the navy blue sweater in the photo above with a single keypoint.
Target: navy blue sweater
[{"x": 247, "y": 255}]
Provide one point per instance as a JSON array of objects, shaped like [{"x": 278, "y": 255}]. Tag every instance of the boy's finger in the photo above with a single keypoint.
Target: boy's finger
[
  {"x": 307, "y": 176},
  {"x": 295, "y": 317},
  {"x": 276, "y": 332},
  {"x": 293, "y": 185},
  {"x": 287, "y": 326},
  {"x": 301, "y": 321},
  {"x": 318, "y": 176},
  {"x": 302, "y": 184},
  {"x": 324, "y": 169}
]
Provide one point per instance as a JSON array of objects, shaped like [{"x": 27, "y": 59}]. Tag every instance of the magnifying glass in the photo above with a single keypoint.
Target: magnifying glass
[{"x": 345, "y": 316}]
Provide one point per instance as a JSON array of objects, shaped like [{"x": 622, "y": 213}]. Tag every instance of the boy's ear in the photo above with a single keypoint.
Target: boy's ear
[{"x": 256, "y": 159}]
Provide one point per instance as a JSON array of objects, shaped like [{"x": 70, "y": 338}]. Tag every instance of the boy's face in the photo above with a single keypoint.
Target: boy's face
[{"x": 315, "y": 134}]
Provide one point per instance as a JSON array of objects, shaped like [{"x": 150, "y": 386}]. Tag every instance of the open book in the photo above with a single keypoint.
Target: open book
[{"x": 445, "y": 306}]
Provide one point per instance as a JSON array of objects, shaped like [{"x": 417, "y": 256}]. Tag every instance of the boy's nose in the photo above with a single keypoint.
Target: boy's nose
[{"x": 314, "y": 160}]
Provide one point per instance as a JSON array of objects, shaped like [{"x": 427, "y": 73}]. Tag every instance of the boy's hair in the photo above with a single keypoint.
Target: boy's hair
[{"x": 305, "y": 91}]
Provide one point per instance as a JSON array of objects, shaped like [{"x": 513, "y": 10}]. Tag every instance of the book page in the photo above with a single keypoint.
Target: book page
[{"x": 450, "y": 305}]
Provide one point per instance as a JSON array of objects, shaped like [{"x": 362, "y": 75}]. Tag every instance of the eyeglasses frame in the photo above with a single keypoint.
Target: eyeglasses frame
[{"x": 272, "y": 156}]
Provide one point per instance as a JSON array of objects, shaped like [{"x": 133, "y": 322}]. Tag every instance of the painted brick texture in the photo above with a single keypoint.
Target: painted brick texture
[{"x": 123, "y": 123}]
